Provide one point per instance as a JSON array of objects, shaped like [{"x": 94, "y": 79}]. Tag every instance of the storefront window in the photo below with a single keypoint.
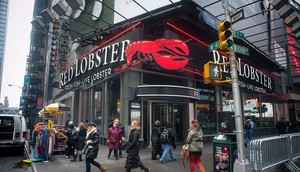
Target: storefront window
[
  {"x": 114, "y": 98},
  {"x": 98, "y": 106},
  {"x": 206, "y": 110}
]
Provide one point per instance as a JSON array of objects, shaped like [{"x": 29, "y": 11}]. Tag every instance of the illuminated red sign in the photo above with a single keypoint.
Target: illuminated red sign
[
  {"x": 293, "y": 52},
  {"x": 170, "y": 54}
]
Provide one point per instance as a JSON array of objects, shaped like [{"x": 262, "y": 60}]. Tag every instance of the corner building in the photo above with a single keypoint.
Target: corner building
[{"x": 150, "y": 67}]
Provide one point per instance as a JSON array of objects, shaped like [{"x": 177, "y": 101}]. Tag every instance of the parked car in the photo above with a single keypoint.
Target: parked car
[{"x": 13, "y": 132}]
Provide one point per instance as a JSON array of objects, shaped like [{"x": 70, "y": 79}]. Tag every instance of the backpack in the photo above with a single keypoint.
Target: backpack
[
  {"x": 247, "y": 125},
  {"x": 164, "y": 136}
]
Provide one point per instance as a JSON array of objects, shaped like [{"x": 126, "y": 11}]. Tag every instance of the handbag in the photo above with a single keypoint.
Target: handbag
[
  {"x": 185, "y": 153},
  {"x": 86, "y": 149}
]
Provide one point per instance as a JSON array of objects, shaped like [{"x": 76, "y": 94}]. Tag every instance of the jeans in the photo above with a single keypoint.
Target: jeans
[
  {"x": 166, "y": 152},
  {"x": 249, "y": 135},
  {"x": 88, "y": 162}
]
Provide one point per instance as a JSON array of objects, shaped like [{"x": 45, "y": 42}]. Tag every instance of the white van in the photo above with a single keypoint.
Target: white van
[{"x": 13, "y": 132}]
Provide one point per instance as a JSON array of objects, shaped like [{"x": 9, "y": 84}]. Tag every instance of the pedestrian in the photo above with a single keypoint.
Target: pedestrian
[
  {"x": 281, "y": 126},
  {"x": 70, "y": 145},
  {"x": 248, "y": 126},
  {"x": 169, "y": 144},
  {"x": 155, "y": 138},
  {"x": 92, "y": 145},
  {"x": 123, "y": 134},
  {"x": 195, "y": 142},
  {"x": 289, "y": 126},
  {"x": 114, "y": 139},
  {"x": 133, "y": 148},
  {"x": 80, "y": 134}
]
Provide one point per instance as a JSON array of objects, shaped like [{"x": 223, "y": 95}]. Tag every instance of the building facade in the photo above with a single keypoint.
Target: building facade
[
  {"x": 3, "y": 25},
  {"x": 148, "y": 65}
]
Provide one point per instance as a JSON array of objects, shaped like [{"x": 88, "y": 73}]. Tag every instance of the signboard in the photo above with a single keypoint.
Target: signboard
[
  {"x": 209, "y": 19},
  {"x": 237, "y": 16},
  {"x": 238, "y": 35},
  {"x": 240, "y": 49},
  {"x": 214, "y": 46}
]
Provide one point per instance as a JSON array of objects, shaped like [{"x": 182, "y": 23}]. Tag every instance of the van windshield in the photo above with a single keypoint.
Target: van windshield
[{"x": 6, "y": 121}]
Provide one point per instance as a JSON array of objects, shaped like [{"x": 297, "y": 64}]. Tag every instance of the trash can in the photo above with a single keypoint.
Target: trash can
[{"x": 224, "y": 152}]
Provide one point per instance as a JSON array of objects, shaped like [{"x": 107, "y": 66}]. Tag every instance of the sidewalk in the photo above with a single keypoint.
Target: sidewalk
[{"x": 58, "y": 163}]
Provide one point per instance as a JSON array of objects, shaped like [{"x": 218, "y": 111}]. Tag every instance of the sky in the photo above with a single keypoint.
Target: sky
[{"x": 20, "y": 14}]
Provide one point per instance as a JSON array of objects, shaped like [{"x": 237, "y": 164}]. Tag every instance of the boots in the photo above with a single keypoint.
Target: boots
[
  {"x": 202, "y": 169},
  {"x": 102, "y": 168},
  {"x": 74, "y": 158},
  {"x": 128, "y": 170},
  {"x": 80, "y": 157},
  {"x": 110, "y": 150},
  {"x": 116, "y": 154},
  {"x": 146, "y": 169}
]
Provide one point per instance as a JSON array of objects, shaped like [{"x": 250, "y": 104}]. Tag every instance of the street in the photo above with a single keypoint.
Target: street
[{"x": 12, "y": 161}]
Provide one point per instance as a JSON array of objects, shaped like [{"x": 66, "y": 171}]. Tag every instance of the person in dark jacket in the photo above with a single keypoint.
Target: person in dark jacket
[
  {"x": 70, "y": 145},
  {"x": 171, "y": 141},
  {"x": 281, "y": 126},
  {"x": 155, "y": 138},
  {"x": 133, "y": 148},
  {"x": 80, "y": 134},
  {"x": 92, "y": 144}
]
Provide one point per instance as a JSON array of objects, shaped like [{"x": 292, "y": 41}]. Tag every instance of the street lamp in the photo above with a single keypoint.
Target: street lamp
[{"x": 12, "y": 85}]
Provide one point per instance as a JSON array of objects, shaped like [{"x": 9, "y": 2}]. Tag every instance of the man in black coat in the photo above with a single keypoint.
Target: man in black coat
[
  {"x": 281, "y": 126},
  {"x": 155, "y": 138}
]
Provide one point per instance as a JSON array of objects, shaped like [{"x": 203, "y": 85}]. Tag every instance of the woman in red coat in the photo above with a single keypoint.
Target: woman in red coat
[{"x": 114, "y": 138}]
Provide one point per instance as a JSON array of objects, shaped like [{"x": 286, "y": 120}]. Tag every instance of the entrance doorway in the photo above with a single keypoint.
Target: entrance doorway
[{"x": 164, "y": 112}]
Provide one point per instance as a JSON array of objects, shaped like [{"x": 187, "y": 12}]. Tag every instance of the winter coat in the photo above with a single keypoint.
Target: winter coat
[
  {"x": 156, "y": 144},
  {"x": 69, "y": 132},
  {"x": 93, "y": 146},
  {"x": 195, "y": 139},
  {"x": 114, "y": 135},
  {"x": 132, "y": 149},
  {"x": 80, "y": 135}
]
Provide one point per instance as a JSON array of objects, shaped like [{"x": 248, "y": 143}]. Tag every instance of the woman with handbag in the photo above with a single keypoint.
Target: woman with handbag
[
  {"x": 195, "y": 142},
  {"x": 114, "y": 139},
  {"x": 133, "y": 148},
  {"x": 92, "y": 147}
]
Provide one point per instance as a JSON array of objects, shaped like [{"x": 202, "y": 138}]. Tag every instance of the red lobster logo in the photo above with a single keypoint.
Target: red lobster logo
[{"x": 171, "y": 54}]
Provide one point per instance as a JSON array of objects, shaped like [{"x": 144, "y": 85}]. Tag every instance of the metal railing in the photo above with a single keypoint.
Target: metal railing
[{"x": 277, "y": 150}]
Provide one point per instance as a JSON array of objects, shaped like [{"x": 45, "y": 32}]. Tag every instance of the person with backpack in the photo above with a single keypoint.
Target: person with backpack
[
  {"x": 248, "y": 126},
  {"x": 167, "y": 137},
  {"x": 155, "y": 138}
]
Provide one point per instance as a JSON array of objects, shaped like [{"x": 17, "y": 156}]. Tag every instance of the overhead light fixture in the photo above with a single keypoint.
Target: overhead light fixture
[
  {"x": 47, "y": 15},
  {"x": 292, "y": 20},
  {"x": 59, "y": 8},
  {"x": 74, "y": 4},
  {"x": 286, "y": 11},
  {"x": 296, "y": 28},
  {"x": 38, "y": 23},
  {"x": 277, "y": 4}
]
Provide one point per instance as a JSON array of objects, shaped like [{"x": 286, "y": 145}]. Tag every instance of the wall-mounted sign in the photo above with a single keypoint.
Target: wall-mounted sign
[
  {"x": 170, "y": 54},
  {"x": 134, "y": 111},
  {"x": 250, "y": 78}
]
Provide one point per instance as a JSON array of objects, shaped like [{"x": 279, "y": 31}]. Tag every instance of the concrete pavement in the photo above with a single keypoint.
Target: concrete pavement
[{"x": 58, "y": 163}]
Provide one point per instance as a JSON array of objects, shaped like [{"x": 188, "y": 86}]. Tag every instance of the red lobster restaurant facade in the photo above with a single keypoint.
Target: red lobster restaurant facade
[{"x": 153, "y": 70}]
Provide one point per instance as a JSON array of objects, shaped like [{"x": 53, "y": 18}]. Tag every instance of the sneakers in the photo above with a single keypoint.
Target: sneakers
[
  {"x": 67, "y": 157},
  {"x": 161, "y": 161},
  {"x": 174, "y": 159},
  {"x": 102, "y": 168}
]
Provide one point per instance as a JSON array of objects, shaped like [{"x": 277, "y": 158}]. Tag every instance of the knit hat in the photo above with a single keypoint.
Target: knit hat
[{"x": 70, "y": 123}]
